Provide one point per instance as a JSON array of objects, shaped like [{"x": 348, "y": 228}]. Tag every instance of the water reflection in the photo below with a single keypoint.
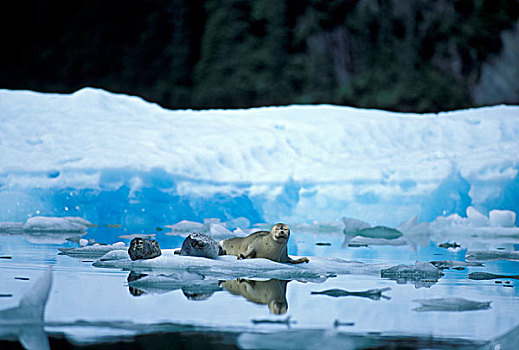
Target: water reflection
[
  {"x": 271, "y": 292},
  {"x": 373, "y": 294},
  {"x": 196, "y": 287},
  {"x": 25, "y": 321}
]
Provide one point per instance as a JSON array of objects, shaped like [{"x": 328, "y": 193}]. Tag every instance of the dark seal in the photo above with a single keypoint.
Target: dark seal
[
  {"x": 143, "y": 249},
  {"x": 200, "y": 244}
]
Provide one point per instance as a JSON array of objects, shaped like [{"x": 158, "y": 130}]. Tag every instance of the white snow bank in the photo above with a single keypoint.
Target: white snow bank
[{"x": 291, "y": 164}]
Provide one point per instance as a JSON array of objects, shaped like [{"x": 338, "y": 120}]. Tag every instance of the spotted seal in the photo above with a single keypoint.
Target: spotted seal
[
  {"x": 199, "y": 244},
  {"x": 262, "y": 244},
  {"x": 143, "y": 249}
]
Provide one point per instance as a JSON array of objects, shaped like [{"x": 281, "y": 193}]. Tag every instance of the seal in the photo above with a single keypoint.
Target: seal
[
  {"x": 143, "y": 249},
  {"x": 199, "y": 244},
  {"x": 262, "y": 244}
]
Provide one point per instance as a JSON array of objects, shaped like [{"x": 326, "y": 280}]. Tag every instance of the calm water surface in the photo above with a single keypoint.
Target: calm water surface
[{"x": 91, "y": 306}]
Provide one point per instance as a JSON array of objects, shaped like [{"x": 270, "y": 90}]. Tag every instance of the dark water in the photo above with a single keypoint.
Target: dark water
[{"x": 90, "y": 306}]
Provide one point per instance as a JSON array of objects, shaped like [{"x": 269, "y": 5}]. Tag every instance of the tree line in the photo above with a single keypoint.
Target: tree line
[{"x": 420, "y": 55}]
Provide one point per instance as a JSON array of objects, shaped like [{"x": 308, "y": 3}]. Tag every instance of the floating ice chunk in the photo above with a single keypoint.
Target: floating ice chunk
[
  {"x": 218, "y": 231},
  {"x": 186, "y": 227},
  {"x": 502, "y": 218},
  {"x": 451, "y": 304},
  {"x": 367, "y": 241},
  {"x": 491, "y": 255},
  {"x": 47, "y": 224},
  {"x": 354, "y": 225},
  {"x": 228, "y": 267},
  {"x": 83, "y": 242},
  {"x": 489, "y": 276},
  {"x": 419, "y": 273},
  {"x": 448, "y": 264},
  {"x": 94, "y": 251},
  {"x": 56, "y": 224},
  {"x": 11, "y": 227}
]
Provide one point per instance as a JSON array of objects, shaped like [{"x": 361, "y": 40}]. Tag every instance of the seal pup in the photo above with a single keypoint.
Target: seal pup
[
  {"x": 143, "y": 249},
  {"x": 199, "y": 244},
  {"x": 262, "y": 244}
]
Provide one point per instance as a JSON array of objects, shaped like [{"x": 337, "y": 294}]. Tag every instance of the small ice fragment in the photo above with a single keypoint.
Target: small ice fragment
[
  {"x": 83, "y": 242},
  {"x": 218, "y": 231}
]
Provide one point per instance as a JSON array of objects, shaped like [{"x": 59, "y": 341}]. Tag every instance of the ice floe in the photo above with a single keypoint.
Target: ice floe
[
  {"x": 94, "y": 251},
  {"x": 38, "y": 224},
  {"x": 228, "y": 267},
  {"x": 491, "y": 255},
  {"x": 422, "y": 274}
]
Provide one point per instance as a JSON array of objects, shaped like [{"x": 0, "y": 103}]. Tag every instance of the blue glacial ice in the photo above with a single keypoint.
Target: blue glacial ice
[{"x": 117, "y": 159}]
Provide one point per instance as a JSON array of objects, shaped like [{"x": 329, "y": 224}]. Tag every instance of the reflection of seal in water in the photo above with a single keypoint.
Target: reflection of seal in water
[
  {"x": 143, "y": 249},
  {"x": 134, "y": 276},
  {"x": 199, "y": 244},
  {"x": 262, "y": 244},
  {"x": 271, "y": 292}
]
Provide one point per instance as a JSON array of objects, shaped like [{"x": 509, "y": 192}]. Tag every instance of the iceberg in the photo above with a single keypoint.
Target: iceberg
[{"x": 110, "y": 157}]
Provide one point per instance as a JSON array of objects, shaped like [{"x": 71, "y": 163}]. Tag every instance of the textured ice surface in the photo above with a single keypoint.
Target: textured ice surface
[
  {"x": 228, "y": 267},
  {"x": 60, "y": 153}
]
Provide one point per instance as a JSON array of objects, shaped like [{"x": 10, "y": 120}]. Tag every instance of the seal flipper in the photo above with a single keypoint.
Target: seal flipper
[{"x": 221, "y": 251}]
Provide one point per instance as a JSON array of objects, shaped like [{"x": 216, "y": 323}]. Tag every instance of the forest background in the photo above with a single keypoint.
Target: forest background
[{"x": 420, "y": 55}]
